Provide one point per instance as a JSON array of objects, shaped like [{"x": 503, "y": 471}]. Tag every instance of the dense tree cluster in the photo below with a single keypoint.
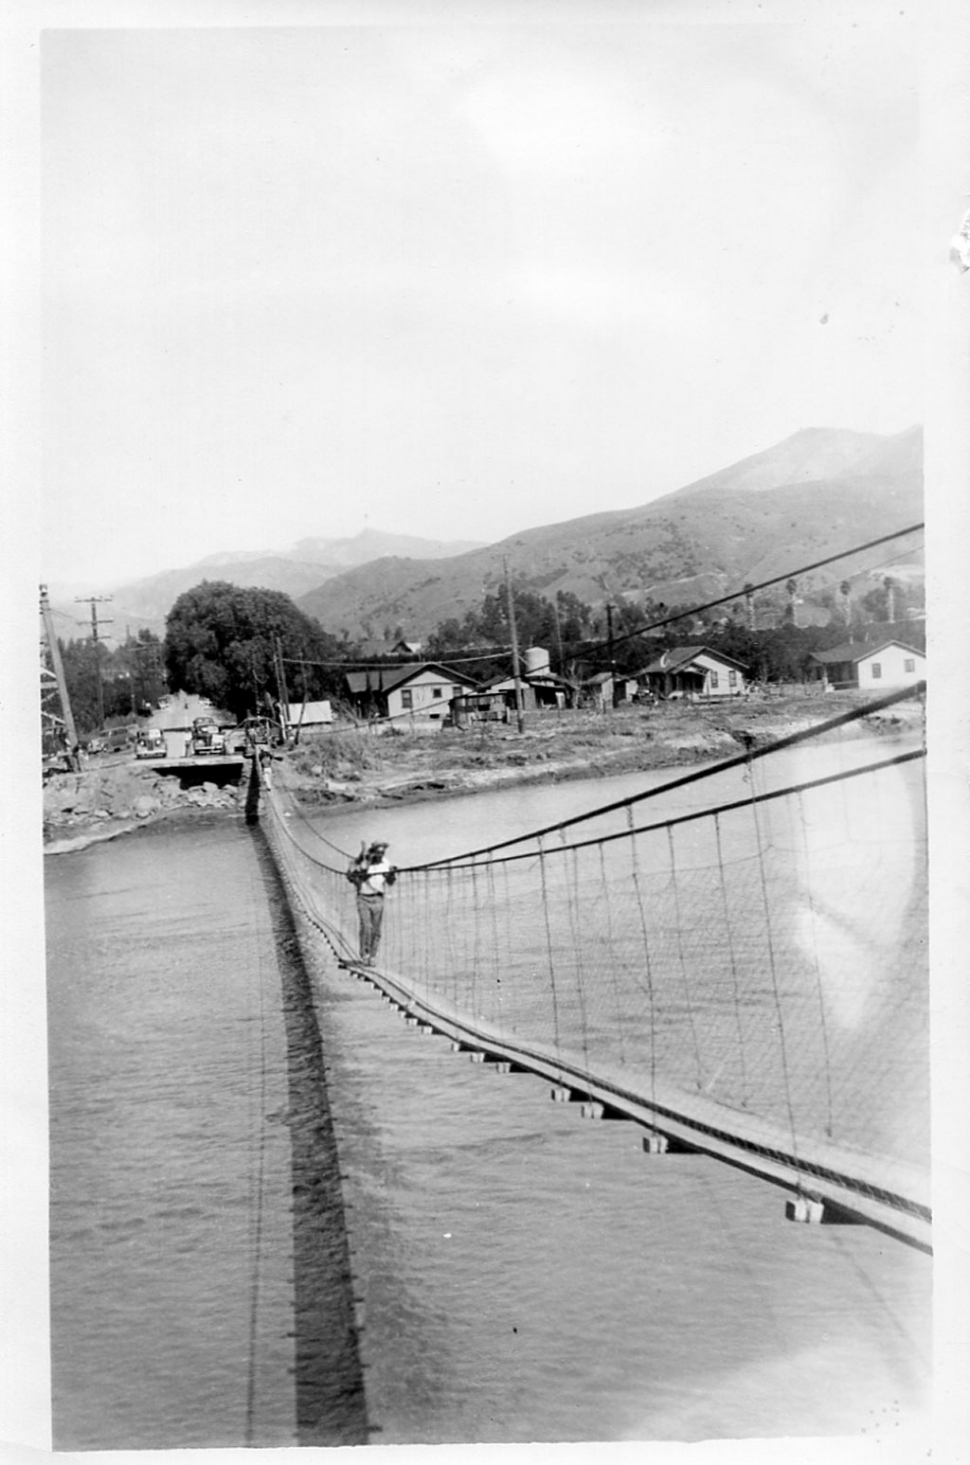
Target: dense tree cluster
[
  {"x": 221, "y": 640},
  {"x": 108, "y": 685},
  {"x": 577, "y": 635}
]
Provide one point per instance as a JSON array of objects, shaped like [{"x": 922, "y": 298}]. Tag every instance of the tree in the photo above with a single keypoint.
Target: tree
[{"x": 220, "y": 643}]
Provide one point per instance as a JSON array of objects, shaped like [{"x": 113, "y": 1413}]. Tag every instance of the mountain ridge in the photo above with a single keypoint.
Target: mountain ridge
[
  {"x": 743, "y": 524},
  {"x": 816, "y": 492}
]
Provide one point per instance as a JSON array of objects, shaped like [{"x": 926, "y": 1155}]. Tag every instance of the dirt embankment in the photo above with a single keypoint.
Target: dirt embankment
[
  {"x": 385, "y": 767},
  {"x": 110, "y": 798},
  {"x": 393, "y": 767}
]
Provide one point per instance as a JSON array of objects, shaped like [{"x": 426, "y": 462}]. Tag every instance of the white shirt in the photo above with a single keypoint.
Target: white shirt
[{"x": 376, "y": 879}]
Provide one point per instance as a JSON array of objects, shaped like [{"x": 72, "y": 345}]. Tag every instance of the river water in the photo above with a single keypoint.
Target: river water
[{"x": 491, "y": 1265}]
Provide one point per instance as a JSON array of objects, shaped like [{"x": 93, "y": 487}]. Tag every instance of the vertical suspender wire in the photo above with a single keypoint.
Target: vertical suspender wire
[
  {"x": 685, "y": 980},
  {"x": 820, "y": 992},
  {"x": 734, "y": 965},
  {"x": 574, "y": 921},
  {"x": 425, "y": 925},
  {"x": 494, "y": 943},
  {"x": 618, "y": 1023},
  {"x": 519, "y": 981},
  {"x": 475, "y": 997},
  {"x": 549, "y": 948},
  {"x": 454, "y": 967},
  {"x": 635, "y": 863},
  {"x": 779, "y": 1017}
]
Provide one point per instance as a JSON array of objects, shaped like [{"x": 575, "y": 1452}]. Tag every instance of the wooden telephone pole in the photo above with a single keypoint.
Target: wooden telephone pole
[
  {"x": 520, "y": 722},
  {"x": 58, "y": 665},
  {"x": 93, "y": 601}
]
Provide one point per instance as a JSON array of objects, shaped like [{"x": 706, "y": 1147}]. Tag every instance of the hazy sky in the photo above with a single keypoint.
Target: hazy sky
[{"x": 457, "y": 281}]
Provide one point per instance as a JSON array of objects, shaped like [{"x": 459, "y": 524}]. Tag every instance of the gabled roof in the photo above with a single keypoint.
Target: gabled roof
[
  {"x": 388, "y": 678},
  {"x": 852, "y": 651},
  {"x": 680, "y": 657}
]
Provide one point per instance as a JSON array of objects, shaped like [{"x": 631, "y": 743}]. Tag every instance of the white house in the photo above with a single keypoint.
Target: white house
[
  {"x": 881, "y": 668},
  {"x": 694, "y": 672},
  {"x": 423, "y": 690}
]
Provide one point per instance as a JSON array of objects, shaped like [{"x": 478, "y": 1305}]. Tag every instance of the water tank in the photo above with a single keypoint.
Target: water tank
[{"x": 536, "y": 661}]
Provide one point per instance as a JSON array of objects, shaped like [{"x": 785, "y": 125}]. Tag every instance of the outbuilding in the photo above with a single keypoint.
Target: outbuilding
[{"x": 308, "y": 715}]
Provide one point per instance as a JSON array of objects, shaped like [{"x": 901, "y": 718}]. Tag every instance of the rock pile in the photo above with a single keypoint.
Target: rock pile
[{"x": 124, "y": 792}]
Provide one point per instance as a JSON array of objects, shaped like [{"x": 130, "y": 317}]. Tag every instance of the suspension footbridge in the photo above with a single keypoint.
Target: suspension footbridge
[{"x": 743, "y": 976}]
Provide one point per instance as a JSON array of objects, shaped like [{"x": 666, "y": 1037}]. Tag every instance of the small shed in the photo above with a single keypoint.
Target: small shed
[{"x": 310, "y": 714}]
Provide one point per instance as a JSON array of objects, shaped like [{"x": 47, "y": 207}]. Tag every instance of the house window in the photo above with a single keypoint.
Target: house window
[
  {"x": 732, "y": 678},
  {"x": 407, "y": 700},
  {"x": 876, "y": 670},
  {"x": 713, "y": 680},
  {"x": 909, "y": 665},
  {"x": 436, "y": 691}
]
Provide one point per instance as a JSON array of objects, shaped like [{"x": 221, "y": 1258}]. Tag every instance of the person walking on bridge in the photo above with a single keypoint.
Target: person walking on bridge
[{"x": 371, "y": 874}]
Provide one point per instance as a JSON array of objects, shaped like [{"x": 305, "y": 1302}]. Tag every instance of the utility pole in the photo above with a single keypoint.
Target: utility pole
[
  {"x": 281, "y": 685},
  {"x": 609, "y": 641},
  {"x": 555, "y": 611},
  {"x": 58, "y": 665},
  {"x": 93, "y": 601},
  {"x": 515, "y": 646}
]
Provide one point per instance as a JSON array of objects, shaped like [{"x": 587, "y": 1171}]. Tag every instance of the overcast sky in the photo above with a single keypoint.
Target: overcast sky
[{"x": 457, "y": 282}]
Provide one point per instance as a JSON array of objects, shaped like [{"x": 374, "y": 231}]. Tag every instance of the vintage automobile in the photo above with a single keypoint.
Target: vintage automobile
[
  {"x": 118, "y": 740},
  {"x": 151, "y": 744},
  {"x": 206, "y": 738}
]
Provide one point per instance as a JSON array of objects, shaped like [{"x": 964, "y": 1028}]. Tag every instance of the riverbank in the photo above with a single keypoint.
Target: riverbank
[
  {"x": 109, "y": 799},
  {"x": 394, "y": 766},
  {"x": 382, "y": 766}
]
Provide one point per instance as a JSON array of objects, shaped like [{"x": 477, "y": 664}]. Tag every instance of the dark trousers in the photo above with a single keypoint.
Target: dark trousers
[{"x": 370, "y": 913}]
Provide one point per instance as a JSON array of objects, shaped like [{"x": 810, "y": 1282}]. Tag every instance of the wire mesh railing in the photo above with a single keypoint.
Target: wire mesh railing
[{"x": 757, "y": 964}]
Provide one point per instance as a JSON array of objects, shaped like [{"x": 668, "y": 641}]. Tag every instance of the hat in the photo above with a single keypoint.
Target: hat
[{"x": 378, "y": 846}]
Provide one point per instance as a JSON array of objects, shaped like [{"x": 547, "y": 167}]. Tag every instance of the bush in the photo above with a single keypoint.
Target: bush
[{"x": 335, "y": 750}]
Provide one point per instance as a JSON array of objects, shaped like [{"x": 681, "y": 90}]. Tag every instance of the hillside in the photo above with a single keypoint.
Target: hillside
[
  {"x": 146, "y": 603},
  {"x": 812, "y": 495}
]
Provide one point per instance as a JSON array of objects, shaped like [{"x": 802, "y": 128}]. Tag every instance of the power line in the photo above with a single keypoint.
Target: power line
[{"x": 749, "y": 589}]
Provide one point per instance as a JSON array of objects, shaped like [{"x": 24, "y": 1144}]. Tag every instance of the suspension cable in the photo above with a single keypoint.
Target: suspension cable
[{"x": 742, "y": 759}]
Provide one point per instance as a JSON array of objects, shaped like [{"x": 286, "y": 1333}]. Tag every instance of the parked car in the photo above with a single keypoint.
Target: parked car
[
  {"x": 152, "y": 744},
  {"x": 94, "y": 745},
  {"x": 118, "y": 740},
  {"x": 206, "y": 738}
]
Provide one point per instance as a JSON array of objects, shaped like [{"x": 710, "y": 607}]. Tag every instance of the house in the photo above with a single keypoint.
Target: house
[
  {"x": 420, "y": 690},
  {"x": 406, "y": 648},
  {"x": 880, "y": 668},
  {"x": 694, "y": 672},
  {"x": 310, "y": 714},
  {"x": 538, "y": 684}
]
